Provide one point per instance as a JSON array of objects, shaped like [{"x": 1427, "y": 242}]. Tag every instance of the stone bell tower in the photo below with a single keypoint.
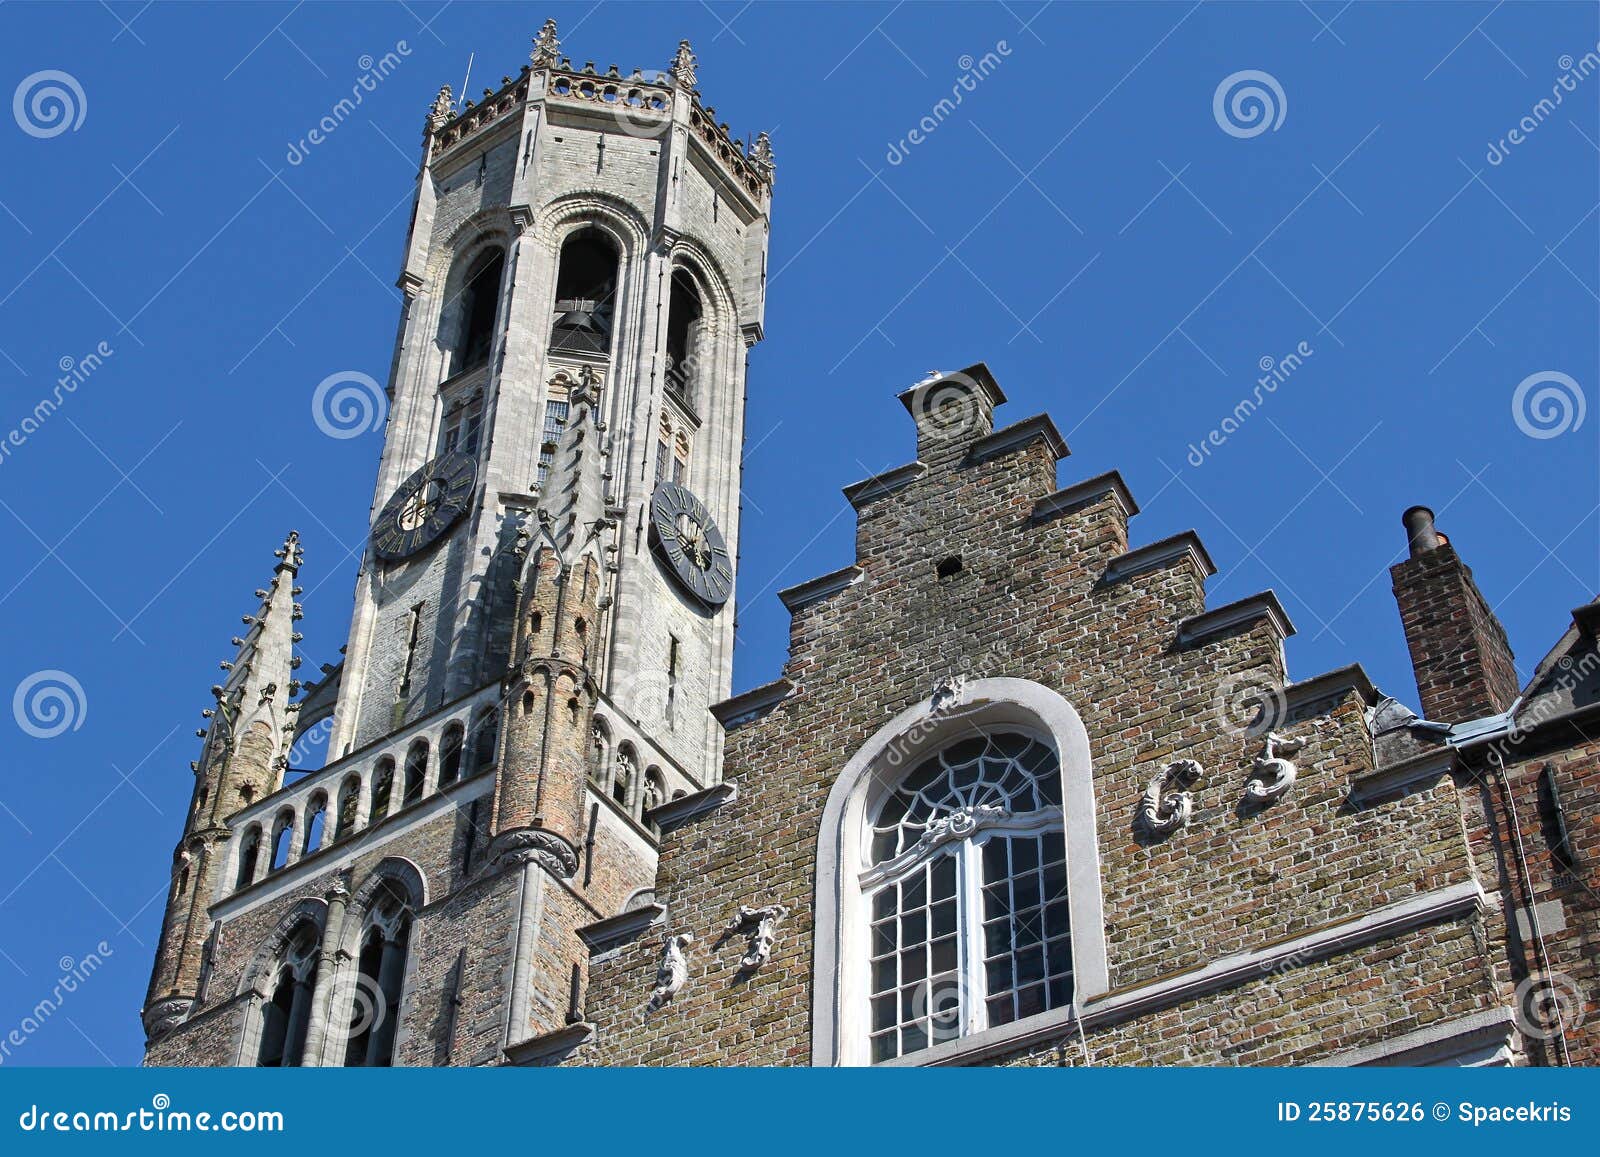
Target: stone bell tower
[
  {"x": 544, "y": 610},
  {"x": 584, "y": 275}
]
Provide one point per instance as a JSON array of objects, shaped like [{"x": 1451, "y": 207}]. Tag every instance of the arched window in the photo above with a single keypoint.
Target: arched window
[
  {"x": 955, "y": 830},
  {"x": 316, "y": 820},
  {"x": 382, "y": 789},
  {"x": 249, "y": 853},
  {"x": 599, "y": 753},
  {"x": 380, "y": 979},
  {"x": 416, "y": 771},
  {"x": 683, "y": 335},
  {"x": 480, "y": 298},
  {"x": 655, "y": 792},
  {"x": 349, "y": 805},
  {"x": 450, "y": 745},
  {"x": 965, "y": 879},
  {"x": 485, "y": 740},
  {"x": 282, "y": 840},
  {"x": 627, "y": 772},
  {"x": 585, "y": 288},
  {"x": 287, "y": 1014}
]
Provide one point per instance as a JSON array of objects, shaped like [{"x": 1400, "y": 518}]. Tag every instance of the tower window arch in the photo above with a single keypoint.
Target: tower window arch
[
  {"x": 683, "y": 335},
  {"x": 287, "y": 1012},
  {"x": 349, "y": 804},
  {"x": 249, "y": 853},
  {"x": 599, "y": 753},
  {"x": 380, "y": 979},
  {"x": 627, "y": 772},
  {"x": 316, "y": 822},
  {"x": 382, "y": 789},
  {"x": 282, "y": 840},
  {"x": 416, "y": 771},
  {"x": 480, "y": 299},
  {"x": 586, "y": 286},
  {"x": 485, "y": 740},
  {"x": 450, "y": 745}
]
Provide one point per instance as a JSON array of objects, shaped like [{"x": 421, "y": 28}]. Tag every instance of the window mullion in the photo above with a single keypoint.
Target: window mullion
[{"x": 973, "y": 974}]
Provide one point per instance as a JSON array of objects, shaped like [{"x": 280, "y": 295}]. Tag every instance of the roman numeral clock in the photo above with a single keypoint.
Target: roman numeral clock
[
  {"x": 690, "y": 546},
  {"x": 425, "y": 506}
]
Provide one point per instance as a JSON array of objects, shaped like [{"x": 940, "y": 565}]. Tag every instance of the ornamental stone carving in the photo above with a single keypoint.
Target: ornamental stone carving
[
  {"x": 947, "y": 693},
  {"x": 1168, "y": 804},
  {"x": 761, "y": 925},
  {"x": 1273, "y": 775},
  {"x": 673, "y": 971},
  {"x": 526, "y": 845},
  {"x": 546, "y": 48},
  {"x": 683, "y": 66}
]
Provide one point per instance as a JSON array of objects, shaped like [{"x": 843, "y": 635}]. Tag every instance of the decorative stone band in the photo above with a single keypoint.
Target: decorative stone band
[
  {"x": 535, "y": 844},
  {"x": 1131, "y": 1001},
  {"x": 606, "y": 936}
]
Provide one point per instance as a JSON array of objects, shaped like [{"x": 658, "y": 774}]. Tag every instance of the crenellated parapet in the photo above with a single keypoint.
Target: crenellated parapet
[{"x": 640, "y": 104}]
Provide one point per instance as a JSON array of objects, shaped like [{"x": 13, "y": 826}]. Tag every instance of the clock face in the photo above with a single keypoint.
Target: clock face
[
  {"x": 690, "y": 544},
  {"x": 425, "y": 506}
]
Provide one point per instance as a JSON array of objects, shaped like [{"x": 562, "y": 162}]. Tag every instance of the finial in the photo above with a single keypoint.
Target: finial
[
  {"x": 443, "y": 107},
  {"x": 683, "y": 65},
  {"x": 290, "y": 551},
  {"x": 546, "y": 48},
  {"x": 761, "y": 153}
]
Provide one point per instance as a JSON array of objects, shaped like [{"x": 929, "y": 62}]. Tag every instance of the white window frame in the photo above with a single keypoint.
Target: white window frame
[{"x": 840, "y": 1011}]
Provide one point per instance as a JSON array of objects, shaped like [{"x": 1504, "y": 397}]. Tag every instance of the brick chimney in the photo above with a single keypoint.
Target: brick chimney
[{"x": 1458, "y": 648}]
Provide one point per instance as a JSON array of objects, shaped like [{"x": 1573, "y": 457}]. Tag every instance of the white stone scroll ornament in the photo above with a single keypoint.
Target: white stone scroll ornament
[
  {"x": 761, "y": 924},
  {"x": 673, "y": 972},
  {"x": 1168, "y": 804},
  {"x": 1272, "y": 775}
]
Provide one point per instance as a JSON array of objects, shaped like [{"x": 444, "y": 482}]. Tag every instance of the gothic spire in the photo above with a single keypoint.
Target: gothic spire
[
  {"x": 546, "y": 48},
  {"x": 683, "y": 66}
]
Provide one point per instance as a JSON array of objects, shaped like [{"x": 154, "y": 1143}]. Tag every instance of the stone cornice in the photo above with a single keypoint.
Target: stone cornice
[
  {"x": 613, "y": 930},
  {"x": 741, "y": 708},
  {"x": 858, "y": 494},
  {"x": 1448, "y": 1043},
  {"x": 550, "y": 1044},
  {"x": 802, "y": 595},
  {"x": 1208, "y": 624},
  {"x": 1340, "y": 680},
  {"x": 1396, "y": 778},
  {"x": 680, "y": 811},
  {"x": 1009, "y": 439},
  {"x": 1082, "y": 493},
  {"x": 1183, "y": 545}
]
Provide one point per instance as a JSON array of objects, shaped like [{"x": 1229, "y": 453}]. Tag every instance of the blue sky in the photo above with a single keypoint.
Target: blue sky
[{"x": 1082, "y": 221}]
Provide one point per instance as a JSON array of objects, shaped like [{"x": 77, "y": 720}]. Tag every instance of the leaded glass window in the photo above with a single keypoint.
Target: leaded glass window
[{"x": 966, "y": 883}]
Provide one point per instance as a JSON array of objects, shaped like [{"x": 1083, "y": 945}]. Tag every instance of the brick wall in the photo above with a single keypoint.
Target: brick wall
[{"x": 1031, "y": 601}]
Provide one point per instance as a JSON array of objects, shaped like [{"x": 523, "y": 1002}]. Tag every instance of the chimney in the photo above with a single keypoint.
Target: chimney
[{"x": 1458, "y": 648}]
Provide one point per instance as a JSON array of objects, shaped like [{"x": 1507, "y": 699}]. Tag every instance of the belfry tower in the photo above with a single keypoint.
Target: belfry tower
[{"x": 543, "y": 615}]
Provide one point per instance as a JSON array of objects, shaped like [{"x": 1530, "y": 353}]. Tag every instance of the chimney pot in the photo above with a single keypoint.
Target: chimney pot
[{"x": 1420, "y": 531}]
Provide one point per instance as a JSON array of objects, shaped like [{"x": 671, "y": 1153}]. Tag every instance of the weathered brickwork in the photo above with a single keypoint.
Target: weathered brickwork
[{"x": 1458, "y": 647}]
